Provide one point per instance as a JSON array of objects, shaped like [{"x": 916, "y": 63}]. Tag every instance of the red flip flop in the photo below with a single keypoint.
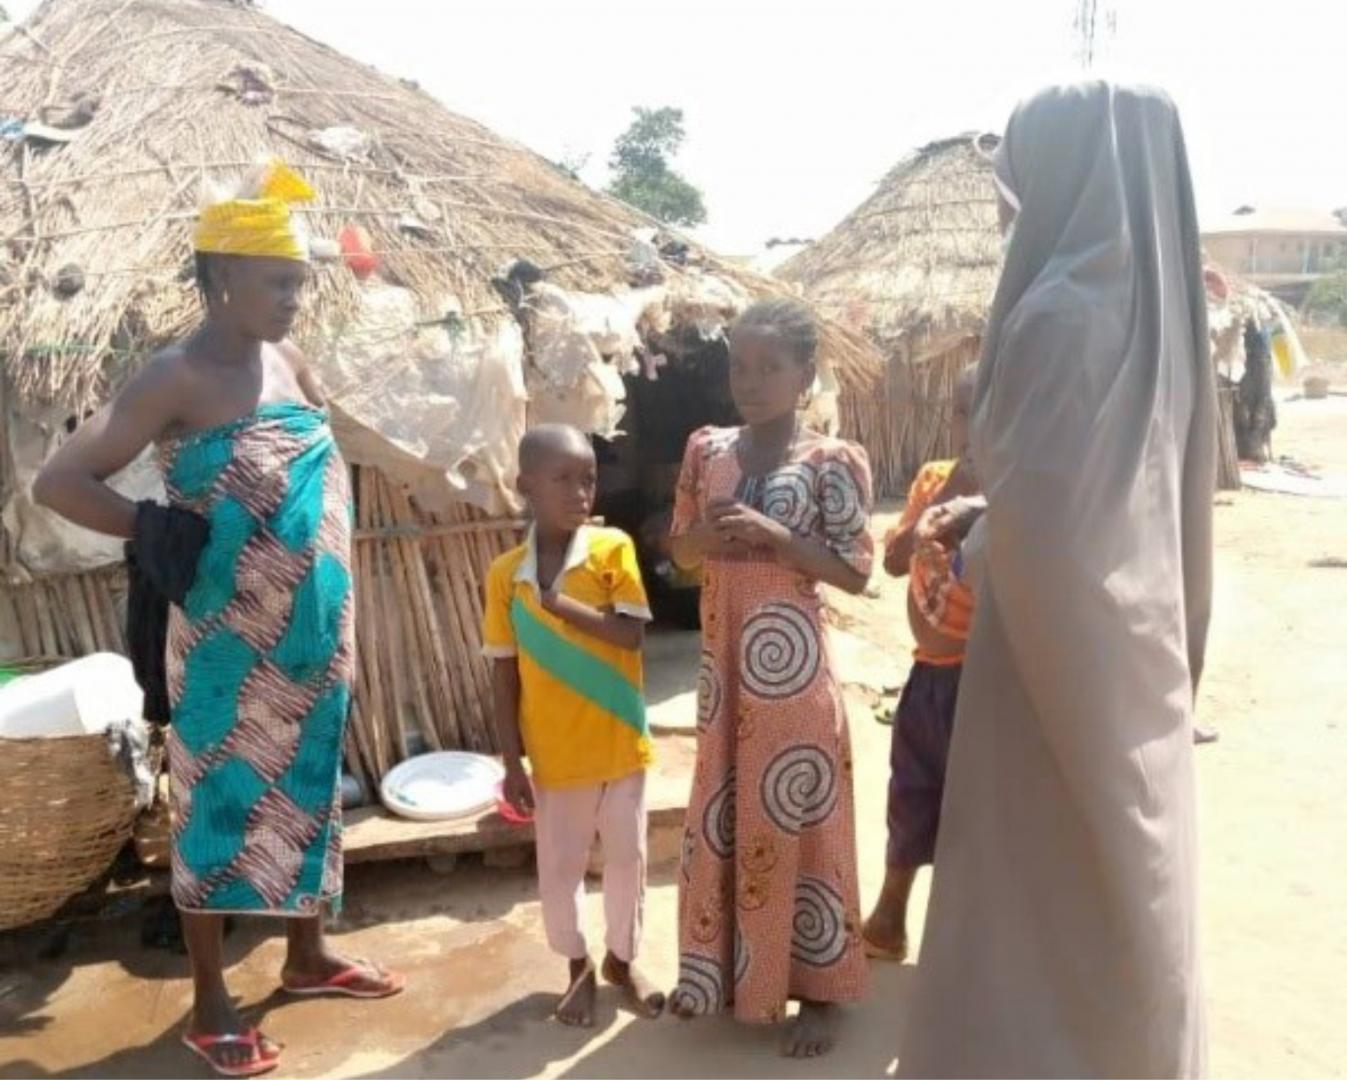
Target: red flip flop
[
  {"x": 341, "y": 983},
  {"x": 257, "y": 1063}
]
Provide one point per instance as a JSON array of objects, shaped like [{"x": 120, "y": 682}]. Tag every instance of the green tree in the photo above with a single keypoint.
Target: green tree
[
  {"x": 641, "y": 172},
  {"x": 1328, "y": 297}
]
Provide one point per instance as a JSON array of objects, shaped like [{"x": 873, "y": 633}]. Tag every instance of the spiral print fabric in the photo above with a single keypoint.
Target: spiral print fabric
[
  {"x": 768, "y": 896},
  {"x": 701, "y": 984},
  {"x": 819, "y": 933},
  {"x": 718, "y": 821},
  {"x": 710, "y": 697},
  {"x": 799, "y": 788},
  {"x": 787, "y": 496},
  {"x": 841, "y": 499},
  {"x": 779, "y": 651}
]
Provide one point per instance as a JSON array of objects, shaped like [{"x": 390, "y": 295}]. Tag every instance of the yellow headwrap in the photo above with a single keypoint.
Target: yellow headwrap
[{"x": 257, "y": 226}]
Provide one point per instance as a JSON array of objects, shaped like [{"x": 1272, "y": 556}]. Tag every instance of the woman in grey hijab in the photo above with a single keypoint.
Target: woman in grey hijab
[{"x": 1061, "y": 938}]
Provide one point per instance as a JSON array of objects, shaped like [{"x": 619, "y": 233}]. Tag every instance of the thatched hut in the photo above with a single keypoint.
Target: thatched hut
[
  {"x": 914, "y": 268},
  {"x": 503, "y": 291}
]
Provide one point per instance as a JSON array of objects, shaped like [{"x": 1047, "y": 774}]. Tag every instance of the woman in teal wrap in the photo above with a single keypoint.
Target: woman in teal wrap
[{"x": 260, "y": 649}]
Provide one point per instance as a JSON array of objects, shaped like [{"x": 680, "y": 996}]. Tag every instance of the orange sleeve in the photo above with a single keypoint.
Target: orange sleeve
[{"x": 929, "y": 480}]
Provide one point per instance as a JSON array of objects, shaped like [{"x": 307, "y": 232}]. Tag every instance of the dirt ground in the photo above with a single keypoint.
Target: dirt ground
[{"x": 1274, "y": 882}]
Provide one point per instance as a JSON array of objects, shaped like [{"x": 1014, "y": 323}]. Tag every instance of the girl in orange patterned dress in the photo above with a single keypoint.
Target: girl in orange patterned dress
[{"x": 768, "y": 905}]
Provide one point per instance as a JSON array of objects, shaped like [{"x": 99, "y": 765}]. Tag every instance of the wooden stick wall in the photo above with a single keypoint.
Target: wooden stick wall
[
  {"x": 419, "y": 580},
  {"x": 66, "y": 614}
]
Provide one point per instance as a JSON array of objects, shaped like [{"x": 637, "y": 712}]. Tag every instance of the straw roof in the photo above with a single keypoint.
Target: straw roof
[
  {"x": 920, "y": 257},
  {"x": 132, "y": 106}
]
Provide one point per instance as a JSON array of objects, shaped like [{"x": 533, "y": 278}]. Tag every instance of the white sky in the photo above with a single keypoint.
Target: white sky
[{"x": 796, "y": 108}]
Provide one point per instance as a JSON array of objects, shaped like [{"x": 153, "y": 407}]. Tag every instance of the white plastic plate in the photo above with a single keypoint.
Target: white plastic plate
[{"x": 442, "y": 786}]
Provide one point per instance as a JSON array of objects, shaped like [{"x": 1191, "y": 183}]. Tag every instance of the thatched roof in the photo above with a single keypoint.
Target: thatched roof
[
  {"x": 921, "y": 256},
  {"x": 151, "y": 99}
]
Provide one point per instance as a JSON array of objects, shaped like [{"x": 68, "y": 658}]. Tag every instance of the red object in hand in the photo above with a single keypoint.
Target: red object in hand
[{"x": 355, "y": 248}]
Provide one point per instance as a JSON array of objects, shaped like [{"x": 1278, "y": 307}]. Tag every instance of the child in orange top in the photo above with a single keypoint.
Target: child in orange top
[{"x": 939, "y": 609}]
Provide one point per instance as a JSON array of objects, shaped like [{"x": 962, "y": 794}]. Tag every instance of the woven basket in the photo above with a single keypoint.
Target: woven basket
[{"x": 66, "y": 809}]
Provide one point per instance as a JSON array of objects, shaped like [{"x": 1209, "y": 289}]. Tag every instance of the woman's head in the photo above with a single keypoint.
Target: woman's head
[
  {"x": 254, "y": 295},
  {"x": 1097, "y": 175},
  {"x": 772, "y": 347},
  {"x": 252, "y": 254}
]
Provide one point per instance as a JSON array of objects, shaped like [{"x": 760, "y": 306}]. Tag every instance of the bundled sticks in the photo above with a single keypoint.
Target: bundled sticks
[
  {"x": 908, "y": 424},
  {"x": 419, "y": 579},
  {"x": 420, "y": 677},
  {"x": 66, "y": 614}
]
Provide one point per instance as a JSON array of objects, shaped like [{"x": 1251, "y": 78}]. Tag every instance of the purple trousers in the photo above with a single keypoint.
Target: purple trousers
[{"x": 917, "y": 757}]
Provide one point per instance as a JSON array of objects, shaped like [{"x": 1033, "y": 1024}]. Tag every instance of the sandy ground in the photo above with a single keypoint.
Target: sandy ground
[{"x": 1274, "y": 882}]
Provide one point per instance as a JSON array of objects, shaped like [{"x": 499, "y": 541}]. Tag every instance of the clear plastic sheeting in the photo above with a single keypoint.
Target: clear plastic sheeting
[{"x": 432, "y": 407}]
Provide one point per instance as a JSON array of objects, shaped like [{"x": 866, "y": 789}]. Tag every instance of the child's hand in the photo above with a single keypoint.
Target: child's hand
[
  {"x": 948, "y": 523},
  {"x": 710, "y": 541},
  {"x": 518, "y": 790},
  {"x": 894, "y": 564},
  {"x": 741, "y": 524}
]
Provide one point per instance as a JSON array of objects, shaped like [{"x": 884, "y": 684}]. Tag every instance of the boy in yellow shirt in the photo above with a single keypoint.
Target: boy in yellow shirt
[{"x": 564, "y": 625}]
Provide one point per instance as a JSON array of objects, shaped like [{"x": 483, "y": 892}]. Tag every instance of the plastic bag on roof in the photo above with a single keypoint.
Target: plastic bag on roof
[
  {"x": 707, "y": 302},
  {"x": 582, "y": 345}
]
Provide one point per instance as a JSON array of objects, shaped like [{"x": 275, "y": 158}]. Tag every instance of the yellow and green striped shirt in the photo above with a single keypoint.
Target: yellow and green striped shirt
[{"x": 581, "y": 700}]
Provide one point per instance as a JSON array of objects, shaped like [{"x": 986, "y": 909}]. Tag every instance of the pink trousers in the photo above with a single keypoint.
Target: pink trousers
[{"x": 566, "y": 821}]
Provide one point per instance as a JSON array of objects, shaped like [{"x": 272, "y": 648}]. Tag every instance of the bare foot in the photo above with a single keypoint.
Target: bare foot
[
  {"x": 813, "y": 1032},
  {"x": 576, "y": 1007},
  {"x": 882, "y": 939},
  {"x": 215, "y": 1015},
  {"x": 649, "y": 1001},
  {"x": 885, "y": 931}
]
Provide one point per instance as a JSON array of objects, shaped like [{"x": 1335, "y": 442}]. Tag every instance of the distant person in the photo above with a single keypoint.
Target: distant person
[
  {"x": 564, "y": 624},
  {"x": 1255, "y": 408},
  {"x": 1062, "y": 935},
  {"x": 255, "y": 552},
  {"x": 768, "y": 905},
  {"x": 939, "y": 611}
]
